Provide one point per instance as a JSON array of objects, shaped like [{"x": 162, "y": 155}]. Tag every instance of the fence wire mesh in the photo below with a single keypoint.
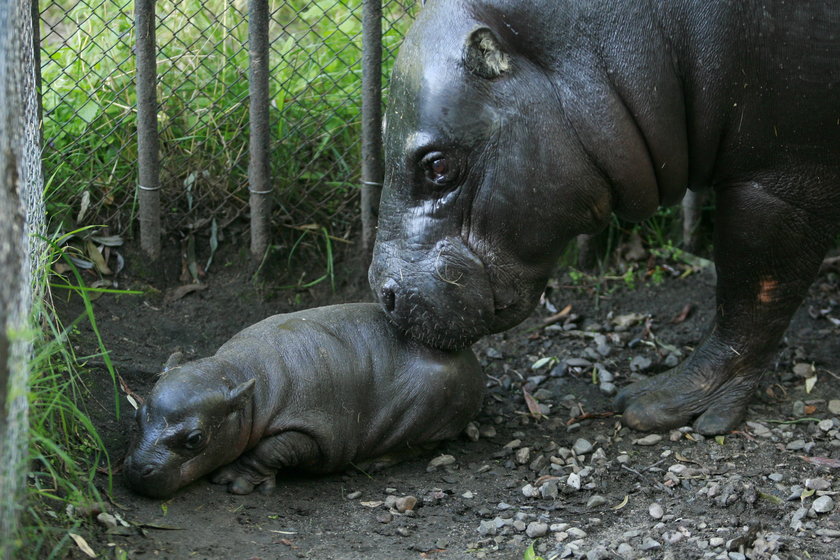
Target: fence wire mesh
[
  {"x": 315, "y": 88},
  {"x": 21, "y": 224}
]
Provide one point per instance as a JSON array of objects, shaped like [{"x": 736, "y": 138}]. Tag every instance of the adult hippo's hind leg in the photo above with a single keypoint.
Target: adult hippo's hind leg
[{"x": 767, "y": 253}]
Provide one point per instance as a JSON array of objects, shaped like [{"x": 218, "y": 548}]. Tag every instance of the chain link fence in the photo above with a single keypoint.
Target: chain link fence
[
  {"x": 89, "y": 103},
  {"x": 21, "y": 223}
]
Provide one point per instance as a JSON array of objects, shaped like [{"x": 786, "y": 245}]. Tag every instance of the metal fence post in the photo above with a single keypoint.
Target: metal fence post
[
  {"x": 147, "y": 129},
  {"x": 371, "y": 121},
  {"x": 259, "y": 170}
]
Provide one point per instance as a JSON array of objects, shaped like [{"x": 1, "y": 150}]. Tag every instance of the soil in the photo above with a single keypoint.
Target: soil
[{"x": 745, "y": 495}]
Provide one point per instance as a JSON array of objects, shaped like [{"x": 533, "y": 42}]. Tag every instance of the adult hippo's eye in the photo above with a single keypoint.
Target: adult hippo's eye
[
  {"x": 194, "y": 439},
  {"x": 439, "y": 168}
]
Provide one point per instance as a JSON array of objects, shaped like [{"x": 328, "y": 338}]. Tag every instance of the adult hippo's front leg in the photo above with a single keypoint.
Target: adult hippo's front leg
[{"x": 765, "y": 264}]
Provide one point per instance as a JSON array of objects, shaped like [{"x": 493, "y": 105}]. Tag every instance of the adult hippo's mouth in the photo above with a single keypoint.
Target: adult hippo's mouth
[{"x": 447, "y": 297}]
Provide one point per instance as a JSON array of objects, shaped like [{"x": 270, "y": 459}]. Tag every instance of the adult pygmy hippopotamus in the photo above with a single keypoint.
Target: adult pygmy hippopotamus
[
  {"x": 514, "y": 125},
  {"x": 316, "y": 390}
]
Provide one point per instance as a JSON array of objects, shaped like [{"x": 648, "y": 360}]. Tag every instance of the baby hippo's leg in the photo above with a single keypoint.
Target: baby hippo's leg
[{"x": 257, "y": 467}]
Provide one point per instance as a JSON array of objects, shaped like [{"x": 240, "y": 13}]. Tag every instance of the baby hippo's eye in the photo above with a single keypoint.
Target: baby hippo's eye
[{"x": 194, "y": 439}]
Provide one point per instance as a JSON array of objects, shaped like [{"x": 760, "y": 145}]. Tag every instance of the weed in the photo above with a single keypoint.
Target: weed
[{"x": 65, "y": 449}]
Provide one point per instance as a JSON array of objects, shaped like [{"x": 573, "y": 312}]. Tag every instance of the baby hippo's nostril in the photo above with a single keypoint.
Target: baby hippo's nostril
[{"x": 389, "y": 296}]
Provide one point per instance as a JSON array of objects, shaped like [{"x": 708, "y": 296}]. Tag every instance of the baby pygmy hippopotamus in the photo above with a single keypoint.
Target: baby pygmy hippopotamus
[{"x": 315, "y": 390}]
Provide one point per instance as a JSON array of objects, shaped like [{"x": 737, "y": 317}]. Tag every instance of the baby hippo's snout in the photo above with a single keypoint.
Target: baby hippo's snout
[{"x": 148, "y": 476}]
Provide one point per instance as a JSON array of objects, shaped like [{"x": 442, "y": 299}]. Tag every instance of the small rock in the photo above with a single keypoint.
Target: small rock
[
  {"x": 831, "y": 533},
  {"x": 384, "y": 516},
  {"x": 579, "y": 362},
  {"x": 519, "y": 525},
  {"x": 536, "y": 529},
  {"x": 403, "y": 531},
  {"x": 625, "y": 550},
  {"x": 596, "y": 501},
  {"x": 487, "y": 528},
  {"x": 640, "y": 363},
  {"x": 671, "y": 360},
  {"x": 817, "y": 484},
  {"x": 826, "y": 425},
  {"x": 599, "y": 455},
  {"x": 440, "y": 461},
  {"x": 523, "y": 455},
  {"x": 655, "y": 510},
  {"x": 576, "y": 533},
  {"x": 759, "y": 429},
  {"x": 487, "y": 431},
  {"x": 472, "y": 432},
  {"x": 573, "y": 481},
  {"x": 823, "y": 504},
  {"x": 650, "y": 439},
  {"x": 582, "y": 446},
  {"x": 108, "y": 520},
  {"x": 494, "y": 354},
  {"x": 559, "y": 370},
  {"x": 550, "y": 489},
  {"x": 649, "y": 544},
  {"x": 354, "y": 495},
  {"x": 834, "y": 406},
  {"x": 803, "y": 370},
  {"x": 598, "y": 553},
  {"x": 468, "y": 495},
  {"x": 796, "y": 445},
  {"x": 608, "y": 388},
  {"x": 405, "y": 503},
  {"x": 776, "y": 477},
  {"x": 677, "y": 468},
  {"x": 737, "y": 556},
  {"x": 529, "y": 491},
  {"x": 715, "y": 542}
]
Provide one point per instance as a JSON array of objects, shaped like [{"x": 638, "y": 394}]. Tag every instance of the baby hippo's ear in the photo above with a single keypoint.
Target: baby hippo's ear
[
  {"x": 239, "y": 396},
  {"x": 173, "y": 361}
]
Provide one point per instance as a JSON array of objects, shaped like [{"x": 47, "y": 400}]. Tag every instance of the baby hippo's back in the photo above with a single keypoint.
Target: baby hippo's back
[{"x": 345, "y": 376}]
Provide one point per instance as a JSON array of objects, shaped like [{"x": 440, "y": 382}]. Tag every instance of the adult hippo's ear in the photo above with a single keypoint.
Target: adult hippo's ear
[
  {"x": 239, "y": 396},
  {"x": 484, "y": 55}
]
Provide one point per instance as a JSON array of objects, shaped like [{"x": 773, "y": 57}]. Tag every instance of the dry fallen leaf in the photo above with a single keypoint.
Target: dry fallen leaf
[
  {"x": 97, "y": 258},
  {"x": 623, "y": 503},
  {"x": 822, "y": 461},
  {"x": 533, "y": 405},
  {"x": 82, "y": 544},
  {"x": 686, "y": 311}
]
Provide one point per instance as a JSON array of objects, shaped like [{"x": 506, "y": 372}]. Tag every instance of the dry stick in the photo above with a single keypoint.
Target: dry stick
[
  {"x": 259, "y": 171},
  {"x": 147, "y": 132},
  {"x": 371, "y": 122}
]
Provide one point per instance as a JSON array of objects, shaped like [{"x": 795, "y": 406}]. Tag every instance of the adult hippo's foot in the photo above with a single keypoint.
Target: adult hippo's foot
[
  {"x": 702, "y": 388},
  {"x": 764, "y": 269}
]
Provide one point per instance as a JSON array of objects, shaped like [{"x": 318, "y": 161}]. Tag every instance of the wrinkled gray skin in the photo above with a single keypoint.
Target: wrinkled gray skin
[
  {"x": 314, "y": 390},
  {"x": 513, "y": 126}
]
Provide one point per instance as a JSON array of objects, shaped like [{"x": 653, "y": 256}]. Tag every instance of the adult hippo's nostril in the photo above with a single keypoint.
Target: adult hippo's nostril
[{"x": 388, "y": 296}]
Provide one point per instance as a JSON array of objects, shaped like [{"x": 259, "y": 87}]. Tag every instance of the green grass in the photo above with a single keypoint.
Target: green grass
[
  {"x": 315, "y": 82},
  {"x": 65, "y": 449}
]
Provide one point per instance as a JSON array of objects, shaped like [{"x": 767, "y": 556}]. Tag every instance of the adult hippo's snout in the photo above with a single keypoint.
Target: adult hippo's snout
[
  {"x": 438, "y": 295},
  {"x": 445, "y": 296}
]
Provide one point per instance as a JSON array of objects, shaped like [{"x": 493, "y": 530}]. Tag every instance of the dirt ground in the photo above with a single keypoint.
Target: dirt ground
[{"x": 572, "y": 483}]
